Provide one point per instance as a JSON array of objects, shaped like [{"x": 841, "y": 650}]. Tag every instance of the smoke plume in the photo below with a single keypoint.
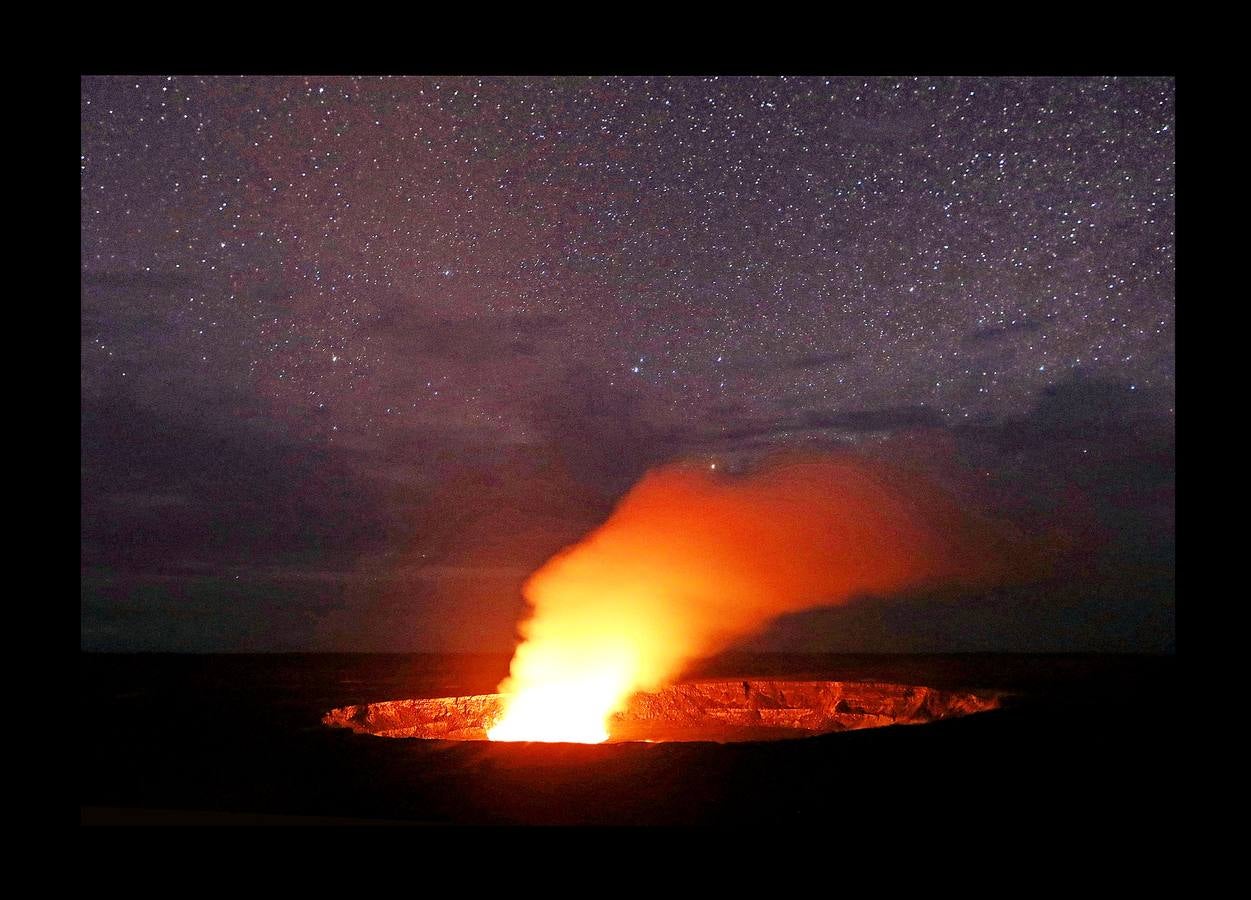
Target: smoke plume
[{"x": 691, "y": 560}]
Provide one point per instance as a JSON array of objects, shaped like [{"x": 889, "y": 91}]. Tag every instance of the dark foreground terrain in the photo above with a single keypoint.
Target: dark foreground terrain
[{"x": 1086, "y": 742}]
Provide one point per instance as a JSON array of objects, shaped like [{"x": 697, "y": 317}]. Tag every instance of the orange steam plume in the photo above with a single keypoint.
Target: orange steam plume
[{"x": 690, "y": 561}]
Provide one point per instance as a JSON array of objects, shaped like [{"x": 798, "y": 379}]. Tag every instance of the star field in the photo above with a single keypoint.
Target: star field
[
  {"x": 370, "y": 255},
  {"x": 361, "y": 353}
]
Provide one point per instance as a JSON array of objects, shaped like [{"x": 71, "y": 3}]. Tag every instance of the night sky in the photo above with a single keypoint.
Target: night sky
[{"x": 358, "y": 354}]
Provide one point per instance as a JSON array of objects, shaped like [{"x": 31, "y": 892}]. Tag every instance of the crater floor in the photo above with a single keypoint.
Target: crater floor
[{"x": 720, "y": 711}]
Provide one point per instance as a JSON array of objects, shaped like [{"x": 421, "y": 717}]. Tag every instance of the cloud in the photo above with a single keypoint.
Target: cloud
[
  {"x": 816, "y": 361},
  {"x": 603, "y": 433},
  {"x": 855, "y": 421},
  {"x": 469, "y": 340},
  {"x": 382, "y": 538},
  {"x": 768, "y": 365},
  {"x": 163, "y": 491},
  {"x": 998, "y": 331}
]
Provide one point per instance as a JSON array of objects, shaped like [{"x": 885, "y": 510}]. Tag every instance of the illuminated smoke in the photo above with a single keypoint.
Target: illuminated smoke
[{"x": 691, "y": 560}]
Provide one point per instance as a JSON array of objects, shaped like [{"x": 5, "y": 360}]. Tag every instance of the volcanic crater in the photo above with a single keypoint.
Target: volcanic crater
[{"x": 722, "y": 711}]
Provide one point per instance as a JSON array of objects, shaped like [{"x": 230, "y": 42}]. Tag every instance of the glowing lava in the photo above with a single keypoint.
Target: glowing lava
[
  {"x": 554, "y": 712},
  {"x": 565, "y": 695}
]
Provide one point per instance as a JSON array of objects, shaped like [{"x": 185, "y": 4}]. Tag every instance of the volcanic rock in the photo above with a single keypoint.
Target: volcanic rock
[{"x": 719, "y": 711}]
